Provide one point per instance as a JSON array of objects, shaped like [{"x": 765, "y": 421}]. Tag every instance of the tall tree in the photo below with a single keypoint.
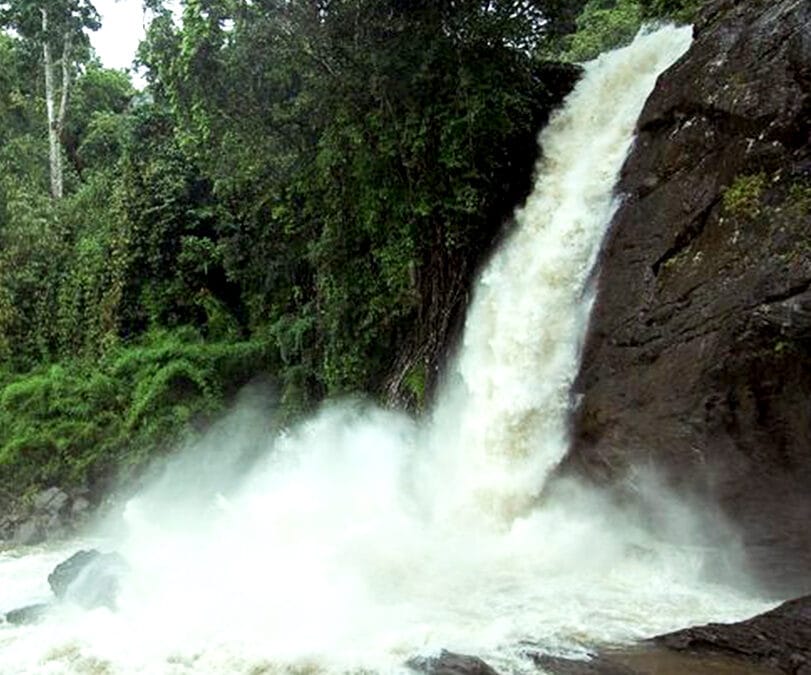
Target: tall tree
[
  {"x": 59, "y": 28},
  {"x": 364, "y": 153}
]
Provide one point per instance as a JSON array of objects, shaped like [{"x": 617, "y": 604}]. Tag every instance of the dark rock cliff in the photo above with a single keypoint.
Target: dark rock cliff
[{"x": 698, "y": 358}]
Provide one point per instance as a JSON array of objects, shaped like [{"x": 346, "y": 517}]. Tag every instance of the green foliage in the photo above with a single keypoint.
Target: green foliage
[
  {"x": 17, "y": 89},
  {"x": 31, "y": 251},
  {"x": 783, "y": 346},
  {"x": 415, "y": 383},
  {"x": 680, "y": 11},
  {"x": 95, "y": 133},
  {"x": 23, "y": 144},
  {"x": 742, "y": 198},
  {"x": 65, "y": 16},
  {"x": 799, "y": 197},
  {"x": 76, "y": 421},
  {"x": 377, "y": 144},
  {"x": 601, "y": 26}
]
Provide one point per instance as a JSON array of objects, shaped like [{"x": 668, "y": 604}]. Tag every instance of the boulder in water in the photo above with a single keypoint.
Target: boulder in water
[
  {"x": 89, "y": 578},
  {"x": 26, "y": 615},
  {"x": 449, "y": 663}
]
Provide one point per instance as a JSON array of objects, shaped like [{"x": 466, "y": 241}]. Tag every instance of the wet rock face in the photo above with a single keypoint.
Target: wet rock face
[
  {"x": 780, "y": 638},
  {"x": 89, "y": 578},
  {"x": 698, "y": 358},
  {"x": 27, "y": 615},
  {"x": 52, "y": 513},
  {"x": 778, "y": 641}
]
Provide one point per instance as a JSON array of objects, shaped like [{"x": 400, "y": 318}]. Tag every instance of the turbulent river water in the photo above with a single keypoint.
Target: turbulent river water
[{"x": 363, "y": 538}]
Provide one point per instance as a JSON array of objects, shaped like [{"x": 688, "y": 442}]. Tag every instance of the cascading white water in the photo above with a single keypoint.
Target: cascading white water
[
  {"x": 364, "y": 538},
  {"x": 508, "y": 407}
]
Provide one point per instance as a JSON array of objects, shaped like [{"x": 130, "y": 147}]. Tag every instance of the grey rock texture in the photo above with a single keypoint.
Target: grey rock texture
[
  {"x": 27, "y": 615},
  {"x": 89, "y": 578},
  {"x": 698, "y": 357},
  {"x": 450, "y": 663},
  {"x": 52, "y": 513},
  {"x": 780, "y": 638}
]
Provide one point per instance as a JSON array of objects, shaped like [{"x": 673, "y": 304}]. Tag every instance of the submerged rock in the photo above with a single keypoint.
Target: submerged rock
[
  {"x": 89, "y": 578},
  {"x": 449, "y": 663},
  {"x": 27, "y": 615},
  {"x": 698, "y": 357}
]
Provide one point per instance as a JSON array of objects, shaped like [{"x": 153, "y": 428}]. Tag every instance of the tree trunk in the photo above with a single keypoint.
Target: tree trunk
[{"x": 56, "y": 118}]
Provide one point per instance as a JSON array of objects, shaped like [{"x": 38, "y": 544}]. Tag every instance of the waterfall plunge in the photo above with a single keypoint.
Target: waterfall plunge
[{"x": 503, "y": 419}]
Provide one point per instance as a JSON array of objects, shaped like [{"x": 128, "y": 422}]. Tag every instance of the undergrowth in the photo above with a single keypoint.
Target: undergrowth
[{"x": 82, "y": 422}]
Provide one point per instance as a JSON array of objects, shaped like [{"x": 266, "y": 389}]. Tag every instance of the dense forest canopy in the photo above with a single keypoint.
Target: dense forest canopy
[{"x": 303, "y": 189}]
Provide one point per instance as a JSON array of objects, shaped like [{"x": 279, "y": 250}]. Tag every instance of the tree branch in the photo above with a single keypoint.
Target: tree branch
[
  {"x": 63, "y": 103},
  {"x": 55, "y": 156}
]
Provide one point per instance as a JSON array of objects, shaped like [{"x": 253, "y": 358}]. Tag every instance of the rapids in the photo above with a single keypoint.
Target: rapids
[{"x": 363, "y": 537}]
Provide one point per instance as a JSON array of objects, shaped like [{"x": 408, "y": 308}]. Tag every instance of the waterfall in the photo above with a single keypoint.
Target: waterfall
[
  {"x": 507, "y": 407},
  {"x": 364, "y": 538}
]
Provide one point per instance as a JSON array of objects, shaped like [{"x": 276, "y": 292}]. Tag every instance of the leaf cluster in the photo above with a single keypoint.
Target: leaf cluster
[{"x": 80, "y": 422}]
